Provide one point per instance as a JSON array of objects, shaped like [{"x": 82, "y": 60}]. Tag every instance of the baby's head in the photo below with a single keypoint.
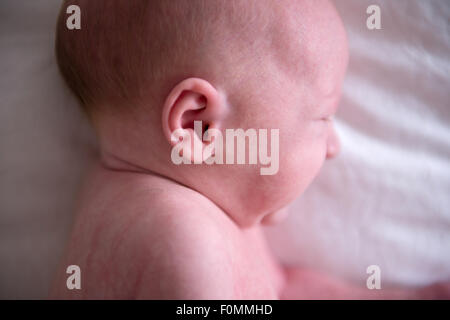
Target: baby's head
[{"x": 144, "y": 69}]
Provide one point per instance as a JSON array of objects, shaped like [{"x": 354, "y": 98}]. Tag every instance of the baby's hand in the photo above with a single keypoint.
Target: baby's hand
[
  {"x": 308, "y": 284},
  {"x": 276, "y": 216},
  {"x": 437, "y": 291}
]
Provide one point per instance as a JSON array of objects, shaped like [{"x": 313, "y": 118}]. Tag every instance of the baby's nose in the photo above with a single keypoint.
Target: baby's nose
[{"x": 333, "y": 144}]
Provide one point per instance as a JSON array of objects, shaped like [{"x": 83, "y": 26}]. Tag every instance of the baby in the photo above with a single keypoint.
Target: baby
[{"x": 150, "y": 228}]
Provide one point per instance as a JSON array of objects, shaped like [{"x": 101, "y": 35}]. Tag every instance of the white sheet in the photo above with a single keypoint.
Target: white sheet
[{"x": 384, "y": 201}]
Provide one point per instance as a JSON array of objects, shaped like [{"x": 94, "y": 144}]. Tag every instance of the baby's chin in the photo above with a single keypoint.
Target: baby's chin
[{"x": 275, "y": 217}]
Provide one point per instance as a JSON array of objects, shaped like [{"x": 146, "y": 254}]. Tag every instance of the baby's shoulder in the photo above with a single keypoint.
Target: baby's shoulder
[
  {"x": 177, "y": 240},
  {"x": 165, "y": 205}
]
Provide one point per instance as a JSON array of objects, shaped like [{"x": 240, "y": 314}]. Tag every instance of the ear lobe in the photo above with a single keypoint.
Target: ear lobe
[{"x": 191, "y": 100}]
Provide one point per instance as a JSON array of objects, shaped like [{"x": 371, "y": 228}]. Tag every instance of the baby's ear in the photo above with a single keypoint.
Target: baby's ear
[{"x": 190, "y": 102}]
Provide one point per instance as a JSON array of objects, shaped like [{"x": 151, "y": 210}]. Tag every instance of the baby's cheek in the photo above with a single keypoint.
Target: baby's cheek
[{"x": 301, "y": 164}]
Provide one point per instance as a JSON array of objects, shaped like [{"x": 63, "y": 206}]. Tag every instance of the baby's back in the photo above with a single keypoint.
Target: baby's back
[{"x": 141, "y": 236}]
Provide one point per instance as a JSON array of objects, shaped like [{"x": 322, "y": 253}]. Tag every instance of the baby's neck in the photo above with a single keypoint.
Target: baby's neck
[{"x": 113, "y": 162}]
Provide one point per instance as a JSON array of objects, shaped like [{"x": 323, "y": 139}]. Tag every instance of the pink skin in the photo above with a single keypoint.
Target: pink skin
[{"x": 150, "y": 229}]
